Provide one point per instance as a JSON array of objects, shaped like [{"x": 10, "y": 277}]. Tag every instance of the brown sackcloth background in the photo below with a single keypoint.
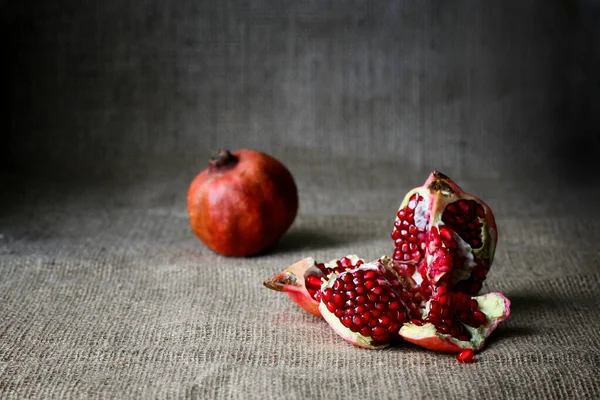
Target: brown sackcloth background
[{"x": 115, "y": 105}]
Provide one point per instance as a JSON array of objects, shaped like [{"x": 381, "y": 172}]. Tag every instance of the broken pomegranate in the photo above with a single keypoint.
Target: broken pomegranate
[
  {"x": 427, "y": 294},
  {"x": 242, "y": 203}
]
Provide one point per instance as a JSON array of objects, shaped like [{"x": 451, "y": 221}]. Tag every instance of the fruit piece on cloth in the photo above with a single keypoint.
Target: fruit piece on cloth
[
  {"x": 457, "y": 322},
  {"x": 302, "y": 281},
  {"x": 444, "y": 246},
  {"x": 363, "y": 306},
  {"x": 445, "y": 237},
  {"x": 465, "y": 356},
  {"x": 243, "y": 203}
]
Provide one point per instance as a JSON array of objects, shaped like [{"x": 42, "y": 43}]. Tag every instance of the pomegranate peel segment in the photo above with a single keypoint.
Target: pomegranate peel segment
[
  {"x": 496, "y": 308},
  {"x": 291, "y": 281}
]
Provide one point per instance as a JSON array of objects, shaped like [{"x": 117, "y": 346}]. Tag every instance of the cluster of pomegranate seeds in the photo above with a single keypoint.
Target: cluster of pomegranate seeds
[
  {"x": 313, "y": 282},
  {"x": 409, "y": 232},
  {"x": 365, "y": 303},
  {"x": 463, "y": 217},
  {"x": 412, "y": 295},
  {"x": 441, "y": 248},
  {"x": 450, "y": 311}
]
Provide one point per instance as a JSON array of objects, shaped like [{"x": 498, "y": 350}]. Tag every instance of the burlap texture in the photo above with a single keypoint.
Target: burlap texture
[{"x": 105, "y": 292}]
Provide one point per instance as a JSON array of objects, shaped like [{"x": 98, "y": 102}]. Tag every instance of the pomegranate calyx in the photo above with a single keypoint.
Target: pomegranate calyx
[
  {"x": 223, "y": 158},
  {"x": 438, "y": 175}
]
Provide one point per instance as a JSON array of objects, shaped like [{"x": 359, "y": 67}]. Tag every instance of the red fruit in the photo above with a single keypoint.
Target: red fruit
[
  {"x": 449, "y": 236},
  {"x": 465, "y": 356},
  {"x": 242, "y": 203},
  {"x": 363, "y": 306},
  {"x": 303, "y": 280}
]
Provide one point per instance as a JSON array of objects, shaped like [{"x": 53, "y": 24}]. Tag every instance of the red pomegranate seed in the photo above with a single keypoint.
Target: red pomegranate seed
[
  {"x": 465, "y": 356},
  {"x": 338, "y": 299},
  {"x": 346, "y": 262},
  {"x": 360, "y": 308},
  {"x": 346, "y": 321},
  {"x": 313, "y": 282},
  {"x": 370, "y": 274},
  {"x": 378, "y": 290},
  {"x": 370, "y": 284},
  {"x": 473, "y": 305},
  {"x": 358, "y": 321},
  {"x": 379, "y": 330},
  {"x": 480, "y": 317}
]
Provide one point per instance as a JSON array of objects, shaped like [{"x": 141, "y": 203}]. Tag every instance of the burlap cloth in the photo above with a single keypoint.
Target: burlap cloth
[{"x": 105, "y": 292}]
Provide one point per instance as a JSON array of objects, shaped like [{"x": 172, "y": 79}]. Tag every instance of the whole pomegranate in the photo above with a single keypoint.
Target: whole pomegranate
[
  {"x": 444, "y": 243},
  {"x": 242, "y": 203}
]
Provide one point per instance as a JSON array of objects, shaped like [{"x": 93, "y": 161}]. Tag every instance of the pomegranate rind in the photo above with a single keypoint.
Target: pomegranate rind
[
  {"x": 496, "y": 308},
  {"x": 291, "y": 281}
]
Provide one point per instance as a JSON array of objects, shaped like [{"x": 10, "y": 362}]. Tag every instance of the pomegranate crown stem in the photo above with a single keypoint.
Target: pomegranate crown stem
[{"x": 222, "y": 159}]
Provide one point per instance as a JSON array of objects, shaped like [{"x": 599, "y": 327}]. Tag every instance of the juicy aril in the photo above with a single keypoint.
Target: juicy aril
[{"x": 427, "y": 292}]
